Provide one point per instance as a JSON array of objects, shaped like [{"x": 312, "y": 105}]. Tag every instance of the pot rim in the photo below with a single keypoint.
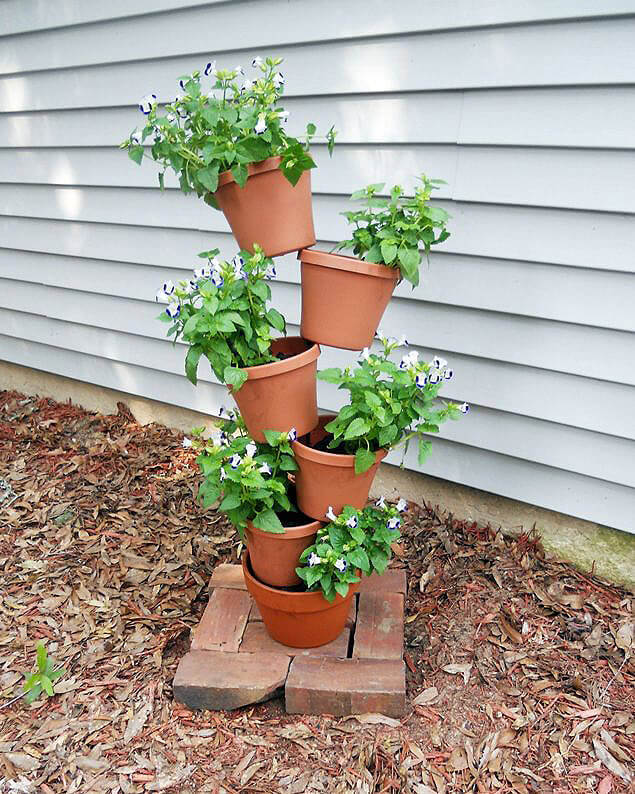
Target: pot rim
[
  {"x": 330, "y": 458},
  {"x": 253, "y": 169},
  {"x": 312, "y": 256},
  {"x": 296, "y": 361},
  {"x": 290, "y": 533},
  {"x": 302, "y": 602}
]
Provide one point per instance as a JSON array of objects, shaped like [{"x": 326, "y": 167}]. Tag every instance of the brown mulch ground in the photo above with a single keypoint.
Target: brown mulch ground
[{"x": 520, "y": 672}]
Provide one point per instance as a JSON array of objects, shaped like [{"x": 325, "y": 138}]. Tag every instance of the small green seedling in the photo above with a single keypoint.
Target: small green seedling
[{"x": 41, "y": 680}]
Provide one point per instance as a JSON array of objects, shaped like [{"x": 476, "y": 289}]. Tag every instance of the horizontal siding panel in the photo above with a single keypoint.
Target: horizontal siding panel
[
  {"x": 594, "y": 298},
  {"x": 558, "y": 347},
  {"x": 595, "y": 500},
  {"x": 271, "y": 25},
  {"x": 484, "y": 58},
  {"x": 513, "y": 388},
  {"x": 579, "y": 451},
  {"x": 549, "y": 117},
  {"x": 555, "y": 489},
  {"x": 572, "y": 179},
  {"x": 594, "y": 240},
  {"x": 19, "y": 16}
]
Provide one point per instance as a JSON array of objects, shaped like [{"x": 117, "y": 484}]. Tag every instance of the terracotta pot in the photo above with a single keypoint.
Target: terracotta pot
[
  {"x": 268, "y": 210},
  {"x": 326, "y": 478},
  {"x": 283, "y": 394},
  {"x": 275, "y": 556},
  {"x": 343, "y": 298},
  {"x": 299, "y": 620}
]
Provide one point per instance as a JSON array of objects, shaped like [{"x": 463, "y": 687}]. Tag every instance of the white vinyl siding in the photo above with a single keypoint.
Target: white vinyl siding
[{"x": 526, "y": 109}]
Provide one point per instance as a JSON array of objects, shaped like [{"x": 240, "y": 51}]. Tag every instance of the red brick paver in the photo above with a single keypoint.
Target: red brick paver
[
  {"x": 221, "y": 680},
  {"x": 226, "y": 575},
  {"x": 319, "y": 685},
  {"x": 256, "y": 639},
  {"x": 223, "y": 622},
  {"x": 392, "y": 580},
  {"x": 379, "y": 630}
]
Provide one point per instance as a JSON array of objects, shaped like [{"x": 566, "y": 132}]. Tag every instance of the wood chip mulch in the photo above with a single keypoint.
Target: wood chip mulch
[{"x": 520, "y": 670}]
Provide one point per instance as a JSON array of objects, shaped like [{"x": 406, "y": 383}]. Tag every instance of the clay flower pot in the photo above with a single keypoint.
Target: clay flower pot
[
  {"x": 343, "y": 298},
  {"x": 326, "y": 479},
  {"x": 299, "y": 620},
  {"x": 283, "y": 394},
  {"x": 268, "y": 210},
  {"x": 275, "y": 556}
]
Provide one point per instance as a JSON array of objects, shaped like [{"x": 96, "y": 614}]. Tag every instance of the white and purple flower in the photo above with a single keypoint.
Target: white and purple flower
[
  {"x": 352, "y": 522},
  {"x": 330, "y": 514},
  {"x": 313, "y": 559},
  {"x": 393, "y": 523},
  {"x": 251, "y": 450},
  {"x": 421, "y": 380},
  {"x": 136, "y": 138},
  {"x": 402, "y": 505},
  {"x": 202, "y": 272},
  {"x": 381, "y": 502},
  {"x": 187, "y": 442},
  {"x": 365, "y": 354},
  {"x": 222, "y": 474},
  {"x": 439, "y": 363},
  {"x": 270, "y": 272},
  {"x": 409, "y": 361},
  {"x": 235, "y": 461},
  {"x": 248, "y": 85},
  {"x": 341, "y": 565},
  {"x": 164, "y": 294},
  {"x": 464, "y": 408},
  {"x": 261, "y": 125},
  {"x": 210, "y": 68},
  {"x": 257, "y": 62},
  {"x": 265, "y": 469},
  {"x": 146, "y": 103},
  {"x": 217, "y": 279},
  {"x": 278, "y": 79},
  {"x": 448, "y": 374},
  {"x": 434, "y": 377},
  {"x": 173, "y": 309},
  {"x": 292, "y": 435}
]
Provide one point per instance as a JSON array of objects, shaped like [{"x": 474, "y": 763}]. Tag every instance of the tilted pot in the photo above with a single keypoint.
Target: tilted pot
[
  {"x": 275, "y": 556},
  {"x": 268, "y": 210},
  {"x": 326, "y": 479},
  {"x": 299, "y": 620},
  {"x": 343, "y": 298},
  {"x": 283, "y": 394}
]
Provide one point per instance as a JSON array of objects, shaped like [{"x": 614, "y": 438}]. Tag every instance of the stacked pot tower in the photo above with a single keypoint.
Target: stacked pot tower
[
  {"x": 270, "y": 213},
  {"x": 282, "y": 473}
]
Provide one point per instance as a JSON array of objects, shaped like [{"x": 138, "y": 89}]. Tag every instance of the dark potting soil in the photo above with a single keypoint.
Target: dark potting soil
[
  {"x": 323, "y": 446},
  {"x": 293, "y": 518}
]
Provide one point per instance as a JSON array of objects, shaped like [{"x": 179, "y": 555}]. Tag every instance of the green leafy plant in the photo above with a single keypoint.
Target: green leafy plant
[
  {"x": 354, "y": 540},
  {"x": 390, "y": 404},
  {"x": 222, "y": 314},
  {"x": 222, "y": 122},
  {"x": 42, "y": 680},
  {"x": 390, "y": 231},
  {"x": 250, "y": 477}
]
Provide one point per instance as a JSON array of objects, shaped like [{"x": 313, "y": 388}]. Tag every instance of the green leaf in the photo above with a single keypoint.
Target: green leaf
[
  {"x": 41, "y": 657},
  {"x": 425, "y": 447},
  {"x": 272, "y": 437},
  {"x": 230, "y": 502},
  {"x": 269, "y": 522},
  {"x": 208, "y": 177},
  {"x": 276, "y": 319},
  {"x": 359, "y": 559},
  {"x": 387, "y": 434},
  {"x": 331, "y": 375},
  {"x": 372, "y": 399},
  {"x": 388, "y": 251},
  {"x": 234, "y": 377},
  {"x": 358, "y": 427},
  {"x": 260, "y": 290},
  {"x": 136, "y": 154},
  {"x": 342, "y": 588},
  {"x": 47, "y": 685},
  {"x": 191, "y": 363},
  {"x": 255, "y": 149},
  {"x": 240, "y": 173},
  {"x": 409, "y": 259},
  {"x": 364, "y": 459}
]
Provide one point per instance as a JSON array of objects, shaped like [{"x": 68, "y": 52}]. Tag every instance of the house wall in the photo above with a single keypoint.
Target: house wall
[{"x": 526, "y": 109}]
